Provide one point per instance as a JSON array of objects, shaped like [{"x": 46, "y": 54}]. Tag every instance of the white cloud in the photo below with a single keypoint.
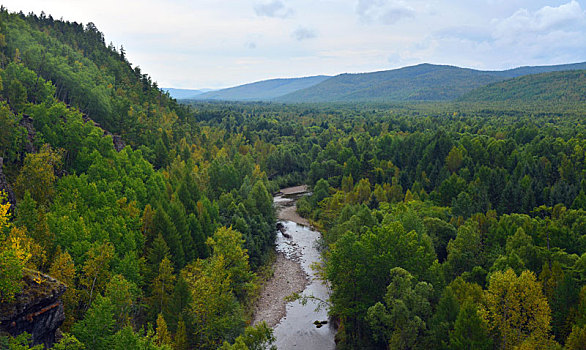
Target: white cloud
[
  {"x": 302, "y": 33},
  {"x": 394, "y": 15},
  {"x": 275, "y": 8},
  {"x": 205, "y": 43},
  {"x": 548, "y": 32},
  {"x": 567, "y": 17},
  {"x": 383, "y": 11}
]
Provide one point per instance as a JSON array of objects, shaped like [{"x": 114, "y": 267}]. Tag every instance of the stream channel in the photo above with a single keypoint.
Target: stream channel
[{"x": 296, "y": 330}]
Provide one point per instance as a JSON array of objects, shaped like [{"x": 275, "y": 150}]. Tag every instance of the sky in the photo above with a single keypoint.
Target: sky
[{"x": 221, "y": 43}]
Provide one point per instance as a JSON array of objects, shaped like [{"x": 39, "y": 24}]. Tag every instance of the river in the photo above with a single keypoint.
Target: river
[{"x": 296, "y": 330}]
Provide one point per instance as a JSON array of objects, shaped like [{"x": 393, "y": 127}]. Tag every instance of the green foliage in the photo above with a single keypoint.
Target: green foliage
[
  {"x": 470, "y": 330},
  {"x": 406, "y": 310},
  {"x": 577, "y": 339},
  {"x": 217, "y": 316},
  {"x": 10, "y": 274},
  {"x": 97, "y": 329},
  {"x": 442, "y": 194},
  {"x": 258, "y": 337},
  {"x": 515, "y": 309},
  {"x": 228, "y": 243},
  {"x": 126, "y": 338},
  {"x": 21, "y": 342},
  {"x": 357, "y": 264},
  {"x": 11, "y": 258},
  {"x": 37, "y": 175},
  {"x": 162, "y": 287},
  {"x": 68, "y": 342}
]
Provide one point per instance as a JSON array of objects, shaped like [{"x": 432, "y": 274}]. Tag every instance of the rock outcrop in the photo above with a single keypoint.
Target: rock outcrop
[
  {"x": 117, "y": 140},
  {"x": 37, "y": 310},
  {"x": 27, "y": 123}
]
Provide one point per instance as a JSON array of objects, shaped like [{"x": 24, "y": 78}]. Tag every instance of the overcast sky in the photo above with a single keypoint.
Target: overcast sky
[{"x": 221, "y": 43}]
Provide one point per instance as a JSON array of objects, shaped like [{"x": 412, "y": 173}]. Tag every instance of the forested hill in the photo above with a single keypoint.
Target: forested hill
[
  {"x": 157, "y": 241},
  {"x": 262, "y": 90},
  {"x": 85, "y": 73},
  {"x": 424, "y": 82},
  {"x": 566, "y": 86}
]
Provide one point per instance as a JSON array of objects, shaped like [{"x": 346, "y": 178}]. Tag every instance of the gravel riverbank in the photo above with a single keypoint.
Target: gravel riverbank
[{"x": 288, "y": 277}]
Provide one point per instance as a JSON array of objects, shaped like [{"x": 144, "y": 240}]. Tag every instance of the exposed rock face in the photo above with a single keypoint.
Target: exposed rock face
[
  {"x": 37, "y": 310},
  {"x": 5, "y": 186},
  {"x": 27, "y": 123},
  {"x": 119, "y": 144}
]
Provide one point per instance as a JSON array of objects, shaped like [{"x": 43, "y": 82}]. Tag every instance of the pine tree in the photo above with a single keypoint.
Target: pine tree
[
  {"x": 163, "y": 336},
  {"x": 180, "y": 342},
  {"x": 162, "y": 287},
  {"x": 179, "y": 303},
  {"x": 155, "y": 254},
  {"x": 577, "y": 339},
  {"x": 177, "y": 216},
  {"x": 164, "y": 226}
]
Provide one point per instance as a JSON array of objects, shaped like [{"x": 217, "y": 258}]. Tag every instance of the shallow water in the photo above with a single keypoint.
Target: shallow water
[{"x": 297, "y": 329}]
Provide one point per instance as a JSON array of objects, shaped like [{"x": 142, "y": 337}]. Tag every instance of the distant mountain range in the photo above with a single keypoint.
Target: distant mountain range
[
  {"x": 184, "y": 94},
  {"x": 423, "y": 82},
  {"x": 263, "y": 90}
]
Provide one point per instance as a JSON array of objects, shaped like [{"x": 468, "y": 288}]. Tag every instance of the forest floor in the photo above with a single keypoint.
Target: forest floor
[{"x": 288, "y": 276}]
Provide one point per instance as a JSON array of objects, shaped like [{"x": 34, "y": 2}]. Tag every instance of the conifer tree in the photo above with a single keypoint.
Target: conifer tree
[
  {"x": 163, "y": 336},
  {"x": 180, "y": 342}
]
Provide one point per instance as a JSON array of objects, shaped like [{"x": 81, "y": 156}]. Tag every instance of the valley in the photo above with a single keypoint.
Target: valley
[{"x": 425, "y": 207}]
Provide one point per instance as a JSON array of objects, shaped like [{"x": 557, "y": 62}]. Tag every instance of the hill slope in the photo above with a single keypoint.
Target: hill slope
[
  {"x": 564, "y": 86},
  {"x": 424, "y": 82},
  {"x": 263, "y": 90},
  {"x": 82, "y": 200},
  {"x": 520, "y": 71}
]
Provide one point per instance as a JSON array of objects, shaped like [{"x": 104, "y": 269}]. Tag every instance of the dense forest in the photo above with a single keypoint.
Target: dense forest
[
  {"x": 448, "y": 226},
  {"x": 158, "y": 240},
  {"x": 445, "y": 226}
]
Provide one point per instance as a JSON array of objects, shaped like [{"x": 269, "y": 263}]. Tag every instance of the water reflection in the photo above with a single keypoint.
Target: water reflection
[{"x": 297, "y": 329}]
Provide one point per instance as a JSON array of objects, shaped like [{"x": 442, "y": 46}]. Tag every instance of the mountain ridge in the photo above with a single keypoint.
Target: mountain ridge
[
  {"x": 422, "y": 82},
  {"x": 263, "y": 90}
]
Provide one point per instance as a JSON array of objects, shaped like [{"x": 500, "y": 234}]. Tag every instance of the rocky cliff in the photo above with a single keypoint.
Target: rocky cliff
[{"x": 37, "y": 310}]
